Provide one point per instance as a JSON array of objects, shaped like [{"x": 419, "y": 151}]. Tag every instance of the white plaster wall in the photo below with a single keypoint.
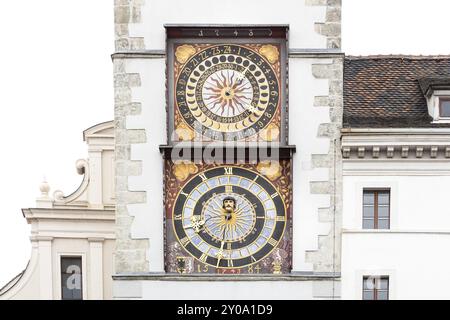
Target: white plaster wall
[
  {"x": 300, "y": 17},
  {"x": 417, "y": 263},
  {"x": 223, "y": 290},
  {"x": 418, "y": 203},
  {"x": 304, "y": 121},
  {"x": 148, "y": 217},
  {"x": 414, "y": 252}
]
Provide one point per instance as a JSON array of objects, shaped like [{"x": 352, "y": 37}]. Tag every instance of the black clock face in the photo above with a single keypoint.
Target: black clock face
[
  {"x": 227, "y": 92},
  {"x": 229, "y": 217}
]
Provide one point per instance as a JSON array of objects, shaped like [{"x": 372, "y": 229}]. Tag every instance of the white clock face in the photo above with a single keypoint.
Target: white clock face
[{"x": 227, "y": 93}]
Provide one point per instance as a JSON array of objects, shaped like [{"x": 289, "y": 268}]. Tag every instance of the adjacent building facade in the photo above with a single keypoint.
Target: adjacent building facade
[
  {"x": 72, "y": 237},
  {"x": 396, "y": 166},
  {"x": 252, "y": 161}
]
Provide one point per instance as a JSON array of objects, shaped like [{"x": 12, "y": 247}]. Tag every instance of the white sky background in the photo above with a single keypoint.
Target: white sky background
[{"x": 56, "y": 81}]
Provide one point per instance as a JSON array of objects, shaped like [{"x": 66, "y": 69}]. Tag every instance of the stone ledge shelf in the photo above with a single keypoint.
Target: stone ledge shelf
[{"x": 228, "y": 277}]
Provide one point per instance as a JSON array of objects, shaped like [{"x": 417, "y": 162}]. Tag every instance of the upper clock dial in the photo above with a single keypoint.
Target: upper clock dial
[{"x": 228, "y": 92}]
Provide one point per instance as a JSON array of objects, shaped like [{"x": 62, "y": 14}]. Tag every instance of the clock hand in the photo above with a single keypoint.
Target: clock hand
[
  {"x": 220, "y": 253},
  {"x": 197, "y": 224},
  {"x": 241, "y": 76}
]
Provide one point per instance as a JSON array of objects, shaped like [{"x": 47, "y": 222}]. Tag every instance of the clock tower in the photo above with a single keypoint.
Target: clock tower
[
  {"x": 228, "y": 201},
  {"x": 226, "y": 149}
]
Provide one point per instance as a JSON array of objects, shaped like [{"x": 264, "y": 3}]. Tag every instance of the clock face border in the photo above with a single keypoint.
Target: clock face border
[
  {"x": 178, "y": 180},
  {"x": 282, "y": 44}
]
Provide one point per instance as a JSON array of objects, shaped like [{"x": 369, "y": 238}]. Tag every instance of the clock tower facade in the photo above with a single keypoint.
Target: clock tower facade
[{"x": 227, "y": 149}]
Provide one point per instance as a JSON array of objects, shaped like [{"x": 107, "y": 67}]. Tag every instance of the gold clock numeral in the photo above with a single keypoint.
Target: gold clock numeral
[
  {"x": 253, "y": 258},
  {"x": 228, "y": 170},
  {"x": 202, "y": 175},
  {"x": 203, "y": 257},
  {"x": 228, "y": 189},
  {"x": 184, "y": 194},
  {"x": 177, "y": 217},
  {"x": 272, "y": 242},
  {"x": 228, "y": 245},
  {"x": 184, "y": 241},
  {"x": 281, "y": 218},
  {"x": 202, "y": 268},
  {"x": 230, "y": 263},
  {"x": 274, "y": 195}
]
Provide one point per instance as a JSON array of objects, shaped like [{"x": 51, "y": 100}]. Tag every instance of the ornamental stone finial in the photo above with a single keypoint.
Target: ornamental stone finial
[
  {"x": 45, "y": 188},
  {"x": 44, "y": 201}
]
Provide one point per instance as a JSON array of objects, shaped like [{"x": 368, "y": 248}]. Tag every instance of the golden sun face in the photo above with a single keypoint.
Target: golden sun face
[{"x": 227, "y": 93}]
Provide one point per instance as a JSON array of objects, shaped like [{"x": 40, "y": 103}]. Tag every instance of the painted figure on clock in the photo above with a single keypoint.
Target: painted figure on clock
[{"x": 228, "y": 219}]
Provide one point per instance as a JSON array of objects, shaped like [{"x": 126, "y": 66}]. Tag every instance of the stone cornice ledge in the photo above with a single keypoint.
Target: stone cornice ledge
[
  {"x": 293, "y": 53},
  {"x": 298, "y": 276},
  {"x": 400, "y": 144}
]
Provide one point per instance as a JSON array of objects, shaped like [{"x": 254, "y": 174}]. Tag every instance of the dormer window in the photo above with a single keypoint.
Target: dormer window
[
  {"x": 436, "y": 91},
  {"x": 444, "y": 107}
]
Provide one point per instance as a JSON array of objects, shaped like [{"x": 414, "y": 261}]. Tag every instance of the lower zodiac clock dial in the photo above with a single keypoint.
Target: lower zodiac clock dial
[{"x": 229, "y": 217}]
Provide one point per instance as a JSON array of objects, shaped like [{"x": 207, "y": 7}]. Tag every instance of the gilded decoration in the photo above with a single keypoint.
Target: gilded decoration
[
  {"x": 184, "y": 52},
  {"x": 183, "y": 169},
  {"x": 270, "y": 168},
  {"x": 270, "y": 133},
  {"x": 270, "y": 52},
  {"x": 184, "y": 133}
]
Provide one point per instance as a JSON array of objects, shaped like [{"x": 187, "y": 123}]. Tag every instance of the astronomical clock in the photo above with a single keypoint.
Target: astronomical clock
[{"x": 227, "y": 84}]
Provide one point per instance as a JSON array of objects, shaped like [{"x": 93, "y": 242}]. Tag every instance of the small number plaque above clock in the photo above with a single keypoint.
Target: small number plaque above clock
[
  {"x": 224, "y": 31},
  {"x": 227, "y": 83}
]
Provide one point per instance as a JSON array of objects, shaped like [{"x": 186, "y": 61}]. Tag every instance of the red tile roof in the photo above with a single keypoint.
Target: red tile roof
[{"x": 384, "y": 91}]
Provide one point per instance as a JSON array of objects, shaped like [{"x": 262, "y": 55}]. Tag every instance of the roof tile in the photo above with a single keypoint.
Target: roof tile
[{"x": 384, "y": 91}]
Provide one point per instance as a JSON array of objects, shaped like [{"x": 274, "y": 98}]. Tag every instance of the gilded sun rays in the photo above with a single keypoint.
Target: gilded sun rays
[{"x": 227, "y": 93}]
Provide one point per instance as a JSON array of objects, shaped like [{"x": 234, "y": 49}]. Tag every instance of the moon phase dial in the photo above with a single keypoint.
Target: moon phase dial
[
  {"x": 227, "y": 92},
  {"x": 229, "y": 217}
]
